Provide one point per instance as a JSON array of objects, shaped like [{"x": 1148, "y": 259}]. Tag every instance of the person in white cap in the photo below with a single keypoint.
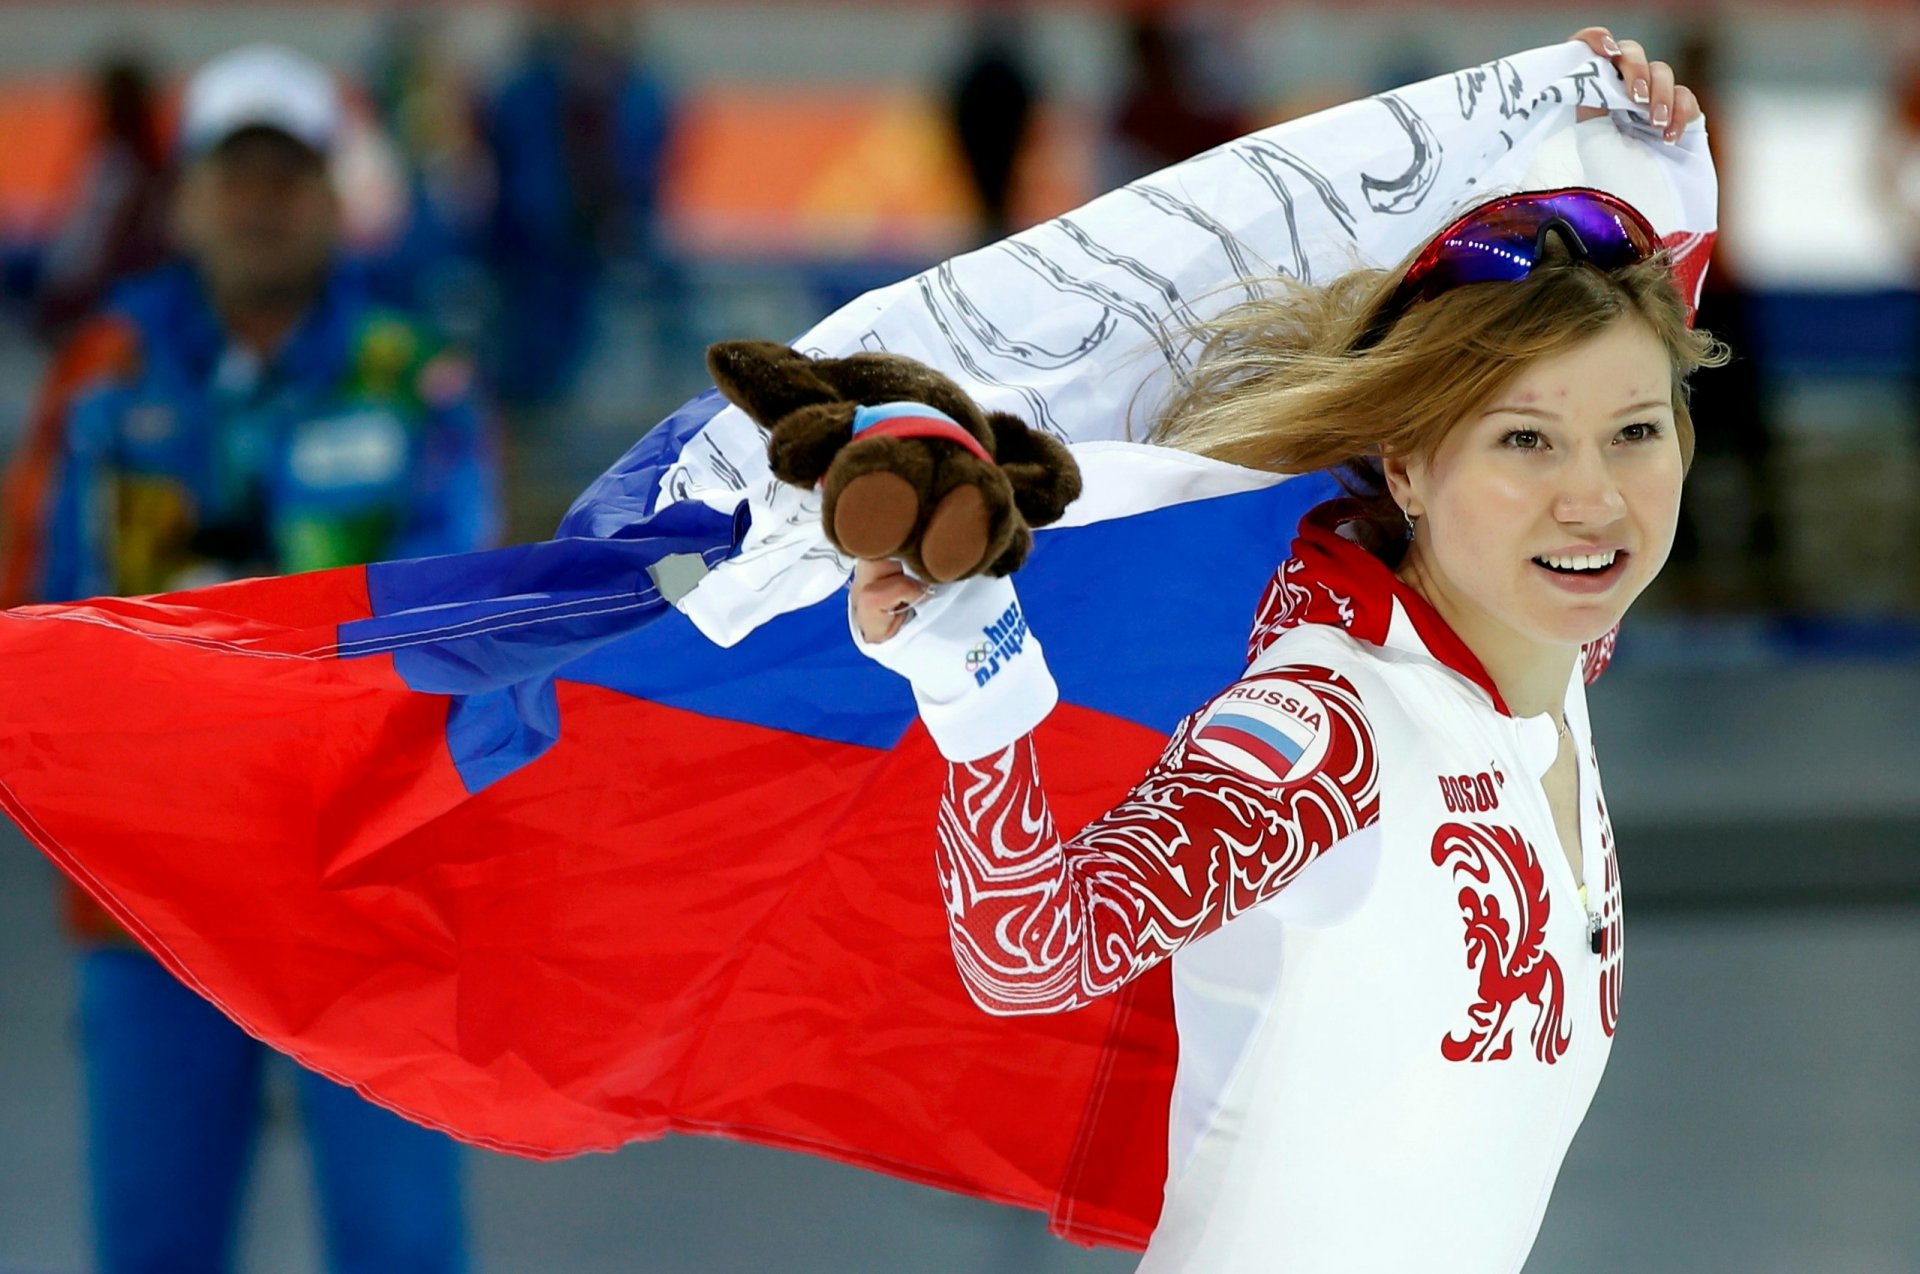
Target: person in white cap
[
  {"x": 257, "y": 210},
  {"x": 245, "y": 410}
]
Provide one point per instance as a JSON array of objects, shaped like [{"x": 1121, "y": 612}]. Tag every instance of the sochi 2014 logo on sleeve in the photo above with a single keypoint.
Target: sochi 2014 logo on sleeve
[
  {"x": 1003, "y": 640},
  {"x": 1271, "y": 729}
]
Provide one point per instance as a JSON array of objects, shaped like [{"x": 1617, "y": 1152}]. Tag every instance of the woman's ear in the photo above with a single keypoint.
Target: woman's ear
[{"x": 1404, "y": 479}]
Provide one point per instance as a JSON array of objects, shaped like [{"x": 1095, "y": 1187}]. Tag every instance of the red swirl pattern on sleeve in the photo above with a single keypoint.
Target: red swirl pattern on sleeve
[
  {"x": 1293, "y": 597},
  {"x": 1041, "y": 926}
]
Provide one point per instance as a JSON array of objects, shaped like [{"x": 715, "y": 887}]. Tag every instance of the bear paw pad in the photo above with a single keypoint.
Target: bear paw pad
[
  {"x": 875, "y": 514},
  {"x": 957, "y": 534}
]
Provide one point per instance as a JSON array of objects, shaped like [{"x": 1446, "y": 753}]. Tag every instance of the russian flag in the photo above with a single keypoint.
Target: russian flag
[
  {"x": 529, "y": 846},
  {"x": 506, "y": 843},
  {"x": 1273, "y": 751}
]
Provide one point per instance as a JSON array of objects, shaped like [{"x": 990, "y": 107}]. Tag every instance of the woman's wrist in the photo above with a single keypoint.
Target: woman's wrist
[{"x": 978, "y": 674}]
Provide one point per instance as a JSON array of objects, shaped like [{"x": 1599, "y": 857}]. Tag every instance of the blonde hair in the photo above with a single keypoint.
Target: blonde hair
[{"x": 1278, "y": 383}]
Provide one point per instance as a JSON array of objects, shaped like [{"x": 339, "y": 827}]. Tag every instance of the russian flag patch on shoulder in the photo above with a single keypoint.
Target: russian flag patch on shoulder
[{"x": 1270, "y": 728}]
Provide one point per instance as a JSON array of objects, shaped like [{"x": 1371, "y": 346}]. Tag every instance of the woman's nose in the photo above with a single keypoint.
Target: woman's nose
[{"x": 1589, "y": 491}]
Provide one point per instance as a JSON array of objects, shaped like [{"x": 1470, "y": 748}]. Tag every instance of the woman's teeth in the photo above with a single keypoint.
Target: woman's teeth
[{"x": 1579, "y": 561}]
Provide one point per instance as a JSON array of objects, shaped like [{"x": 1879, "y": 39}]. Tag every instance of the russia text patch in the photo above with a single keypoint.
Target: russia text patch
[{"x": 1269, "y": 728}]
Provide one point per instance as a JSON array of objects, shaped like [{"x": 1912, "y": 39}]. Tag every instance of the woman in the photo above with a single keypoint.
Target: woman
[{"x": 1384, "y": 1061}]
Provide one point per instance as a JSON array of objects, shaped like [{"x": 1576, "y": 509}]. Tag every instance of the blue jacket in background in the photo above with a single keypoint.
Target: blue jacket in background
[{"x": 182, "y": 459}]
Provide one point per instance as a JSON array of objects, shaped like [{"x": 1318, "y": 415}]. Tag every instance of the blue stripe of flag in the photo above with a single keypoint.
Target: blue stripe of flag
[{"x": 1260, "y": 730}]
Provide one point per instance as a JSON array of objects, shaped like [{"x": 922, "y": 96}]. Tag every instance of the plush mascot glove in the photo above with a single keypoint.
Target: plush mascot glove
[
  {"x": 908, "y": 465},
  {"x": 977, "y": 674}
]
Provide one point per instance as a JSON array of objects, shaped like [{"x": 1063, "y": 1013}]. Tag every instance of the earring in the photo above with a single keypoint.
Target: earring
[{"x": 1410, "y": 522}]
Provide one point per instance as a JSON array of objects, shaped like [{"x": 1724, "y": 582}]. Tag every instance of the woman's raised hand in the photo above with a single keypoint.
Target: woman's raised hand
[
  {"x": 1670, "y": 106},
  {"x": 883, "y": 598}
]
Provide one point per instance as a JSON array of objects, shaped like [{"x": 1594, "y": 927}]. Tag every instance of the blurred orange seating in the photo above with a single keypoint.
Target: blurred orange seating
[{"x": 789, "y": 171}]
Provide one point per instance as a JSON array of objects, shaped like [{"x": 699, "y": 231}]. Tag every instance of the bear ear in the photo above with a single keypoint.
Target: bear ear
[
  {"x": 801, "y": 448},
  {"x": 765, "y": 380},
  {"x": 1039, "y": 468}
]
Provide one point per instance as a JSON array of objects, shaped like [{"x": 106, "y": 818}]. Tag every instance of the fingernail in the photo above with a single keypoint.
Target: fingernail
[
  {"x": 1662, "y": 113},
  {"x": 1640, "y": 93},
  {"x": 1608, "y": 43}
]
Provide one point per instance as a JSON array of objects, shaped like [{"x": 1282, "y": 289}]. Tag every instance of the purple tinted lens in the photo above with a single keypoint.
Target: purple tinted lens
[{"x": 1502, "y": 242}]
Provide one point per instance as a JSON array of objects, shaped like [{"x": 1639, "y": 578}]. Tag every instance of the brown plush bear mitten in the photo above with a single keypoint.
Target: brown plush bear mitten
[{"x": 908, "y": 464}]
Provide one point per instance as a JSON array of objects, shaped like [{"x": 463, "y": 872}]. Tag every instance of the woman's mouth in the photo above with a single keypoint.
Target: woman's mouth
[{"x": 1583, "y": 572}]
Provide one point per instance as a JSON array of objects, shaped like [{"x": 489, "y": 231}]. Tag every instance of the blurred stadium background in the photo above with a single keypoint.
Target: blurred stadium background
[{"x": 1761, "y": 727}]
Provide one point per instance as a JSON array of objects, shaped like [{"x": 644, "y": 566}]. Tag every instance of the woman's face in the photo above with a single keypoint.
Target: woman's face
[{"x": 1550, "y": 511}]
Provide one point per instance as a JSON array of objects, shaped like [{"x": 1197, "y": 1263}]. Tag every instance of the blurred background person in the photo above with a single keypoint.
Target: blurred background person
[
  {"x": 992, "y": 108},
  {"x": 427, "y": 108},
  {"x": 244, "y": 410},
  {"x": 118, "y": 222},
  {"x": 1174, "y": 104},
  {"x": 578, "y": 132}
]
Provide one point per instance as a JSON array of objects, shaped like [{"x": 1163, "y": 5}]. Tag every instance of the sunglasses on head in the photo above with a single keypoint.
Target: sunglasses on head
[{"x": 1501, "y": 242}]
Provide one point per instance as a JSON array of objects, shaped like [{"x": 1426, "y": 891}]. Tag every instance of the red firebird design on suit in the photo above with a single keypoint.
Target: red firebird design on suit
[{"x": 1505, "y": 906}]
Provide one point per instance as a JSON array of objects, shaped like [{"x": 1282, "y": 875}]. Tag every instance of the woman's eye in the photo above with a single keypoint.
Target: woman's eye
[
  {"x": 1641, "y": 432},
  {"x": 1523, "y": 440}
]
